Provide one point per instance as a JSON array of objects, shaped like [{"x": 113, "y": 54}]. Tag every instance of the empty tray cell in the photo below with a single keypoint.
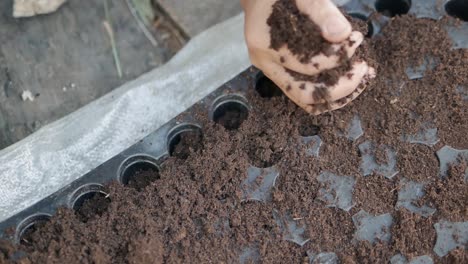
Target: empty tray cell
[
  {"x": 26, "y": 229},
  {"x": 337, "y": 190},
  {"x": 259, "y": 183},
  {"x": 392, "y": 8},
  {"x": 139, "y": 171},
  {"x": 428, "y": 9},
  {"x": 457, "y": 9},
  {"x": 322, "y": 258},
  {"x": 418, "y": 71},
  {"x": 450, "y": 235},
  {"x": 410, "y": 192},
  {"x": 369, "y": 164},
  {"x": 266, "y": 88},
  {"x": 290, "y": 229},
  {"x": 372, "y": 228},
  {"x": 230, "y": 111},
  {"x": 449, "y": 156},
  {"x": 184, "y": 139}
]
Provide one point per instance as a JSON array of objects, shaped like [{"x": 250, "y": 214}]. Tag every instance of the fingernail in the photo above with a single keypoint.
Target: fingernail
[{"x": 336, "y": 26}]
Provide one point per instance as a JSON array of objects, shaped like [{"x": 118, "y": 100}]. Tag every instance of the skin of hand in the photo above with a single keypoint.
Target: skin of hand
[{"x": 335, "y": 28}]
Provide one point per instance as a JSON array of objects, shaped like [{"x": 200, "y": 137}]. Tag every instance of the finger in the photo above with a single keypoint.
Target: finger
[
  {"x": 243, "y": 3},
  {"x": 318, "y": 93},
  {"x": 307, "y": 93},
  {"x": 318, "y": 109},
  {"x": 327, "y": 107},
  {"x": 335, "y": 27},
  {"x": 291, "y": 88},
  {"x": 256, "y": 28},
  {"x": 297, "y": 92},
  {"x": 320, "y": 62}
]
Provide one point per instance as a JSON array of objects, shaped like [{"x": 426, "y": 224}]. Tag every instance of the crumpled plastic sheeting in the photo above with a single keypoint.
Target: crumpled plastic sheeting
[{"x": 63, "y": 151}]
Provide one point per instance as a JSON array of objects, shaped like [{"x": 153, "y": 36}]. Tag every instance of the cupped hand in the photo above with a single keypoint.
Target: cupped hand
[{"x": 275, "y": 64}]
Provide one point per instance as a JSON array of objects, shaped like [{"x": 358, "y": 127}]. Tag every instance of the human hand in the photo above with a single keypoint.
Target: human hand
[{"x": 277, "y": 64}]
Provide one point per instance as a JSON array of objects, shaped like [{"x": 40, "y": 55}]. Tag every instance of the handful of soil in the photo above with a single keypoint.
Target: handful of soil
[{"x": 290, "y": 27}]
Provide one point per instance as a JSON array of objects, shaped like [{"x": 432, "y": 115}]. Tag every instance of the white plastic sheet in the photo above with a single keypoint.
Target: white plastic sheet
[{"x": 63, "y": 151}]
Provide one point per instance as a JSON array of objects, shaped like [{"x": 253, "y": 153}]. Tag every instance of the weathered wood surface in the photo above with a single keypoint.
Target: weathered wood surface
[
  {"x": 194, "y": 16},
  {"x": 65, "y": 60}
]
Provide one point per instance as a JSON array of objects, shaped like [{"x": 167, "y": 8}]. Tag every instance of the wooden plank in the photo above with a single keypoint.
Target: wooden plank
[
  {"x": 65, "y": 60},
  {"x": 196, "y": 16}
]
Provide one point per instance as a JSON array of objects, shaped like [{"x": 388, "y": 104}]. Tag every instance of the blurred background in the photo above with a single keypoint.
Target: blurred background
[{"x": 54, "y": 61}]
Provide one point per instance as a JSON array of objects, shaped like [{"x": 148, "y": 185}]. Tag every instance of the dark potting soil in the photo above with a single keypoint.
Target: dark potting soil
[
  {"x": 308, "y": 126},
  {"x": 93, "y": 207},
  {"x": 291, "y": 27},
  {"x": 202, "y": 209},
  {"x": 231, "y": 118},
  {"x": 30, "y": 233},
  {"x": 143, "y": 178},
  {"x": 188, "y": 142}
]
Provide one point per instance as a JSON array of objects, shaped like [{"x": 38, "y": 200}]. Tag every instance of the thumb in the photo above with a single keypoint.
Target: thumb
[{"x": 335, "y": 27}]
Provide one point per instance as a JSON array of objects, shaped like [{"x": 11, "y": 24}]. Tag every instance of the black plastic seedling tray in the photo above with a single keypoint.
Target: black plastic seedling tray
[{"x": 151, "y": 151}]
